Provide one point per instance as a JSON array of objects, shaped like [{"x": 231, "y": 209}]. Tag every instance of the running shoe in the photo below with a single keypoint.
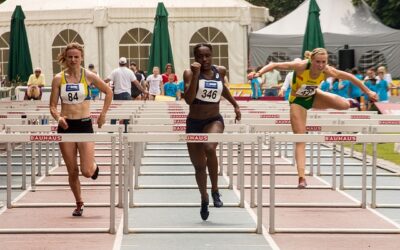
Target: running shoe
[
  {"x": 204, "y": 213},
  {"x": 216, "y": 198},
  {"x": 353, "y": 103},
  {"x": 96, "y": 173},
  {"x": 302, "y": 183},
  {"x": 78, "y": 210}
]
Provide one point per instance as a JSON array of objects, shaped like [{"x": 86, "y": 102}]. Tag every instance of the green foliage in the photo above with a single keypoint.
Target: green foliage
[
  {"x": 278, "y": 8},
  {"x": 387, "y": 10}
]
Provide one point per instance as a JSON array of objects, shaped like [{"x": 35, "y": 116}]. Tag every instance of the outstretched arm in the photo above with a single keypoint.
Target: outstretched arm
[{"x": 293, "y": 65}]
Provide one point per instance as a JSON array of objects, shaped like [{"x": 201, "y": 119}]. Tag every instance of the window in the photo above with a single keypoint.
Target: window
[
  {"x": 60, "y": 42},
  {"x": 135, "y": 46},
  {"x": 4, "y": 52},
  {"x": 371, "y": 58},
  {"x": 219, "y": 44}
]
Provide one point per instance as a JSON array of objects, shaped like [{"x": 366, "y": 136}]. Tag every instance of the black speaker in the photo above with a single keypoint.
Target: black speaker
[{"x": 346, "y": 59}]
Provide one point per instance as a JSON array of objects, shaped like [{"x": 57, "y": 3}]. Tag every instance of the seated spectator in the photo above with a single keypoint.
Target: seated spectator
[
  {"x": 170, "y": 87},
  {"x": 35, "y": 83}
]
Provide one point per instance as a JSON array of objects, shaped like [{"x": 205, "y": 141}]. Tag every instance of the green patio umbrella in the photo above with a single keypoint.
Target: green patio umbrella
[
  {"x": 160, "y": 50},
  {"x": 313, "y": 37},
  {"x": 19, "y": 61}
]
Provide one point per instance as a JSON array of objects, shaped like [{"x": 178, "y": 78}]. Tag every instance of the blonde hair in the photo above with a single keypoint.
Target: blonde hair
[
  {"x": 382, "y": 68},
  {"x": 316, "y": 51},
  {"x": 62, "y": 57}
]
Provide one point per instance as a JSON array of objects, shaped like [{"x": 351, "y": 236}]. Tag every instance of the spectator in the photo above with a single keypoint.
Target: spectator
[
  {"x": 382, "y": 86},
  {"x": 155, "y": 83},
  {"x": 94, "y": 91},
  {"x": 136, "y": 93},
  {"x": 35, "y": 83},
  {"x": 181, "y": 88},
  {"x": 370, "y": 83},
  {"x": 270, "y": 82},
  {"x": 254, "y": 84},
  {"x": 123, "y": 78},
  {"x": 168, "y": 71},
  {"x": 325, "y": 86},
  {"x": 171, "y": 87},
  {"x": 354, "y": 91},
  {"x": 387, "y": 77}
]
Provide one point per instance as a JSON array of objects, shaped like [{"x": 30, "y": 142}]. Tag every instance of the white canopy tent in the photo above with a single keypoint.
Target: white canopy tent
[
  {"x": 341, "y": 23},
  {"x": 102, "y": 23}
]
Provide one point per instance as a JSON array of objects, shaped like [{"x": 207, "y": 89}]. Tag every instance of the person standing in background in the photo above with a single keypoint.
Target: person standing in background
[{"x": 155, "y": 83}]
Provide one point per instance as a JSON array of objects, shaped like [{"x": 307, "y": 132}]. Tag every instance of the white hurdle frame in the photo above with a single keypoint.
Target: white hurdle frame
[
  {"x": 327, "y": 138},
  {"x": 138, "y": 151},
  {"x": 53, "y": 128},
  {"x": 195, "y": 138},
  {"x": 25, "y": 138},
  {"x": 378, "y": 130}
]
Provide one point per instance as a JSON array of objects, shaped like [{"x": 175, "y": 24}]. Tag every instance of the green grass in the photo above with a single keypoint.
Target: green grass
[{"x": 384, "y": 151}]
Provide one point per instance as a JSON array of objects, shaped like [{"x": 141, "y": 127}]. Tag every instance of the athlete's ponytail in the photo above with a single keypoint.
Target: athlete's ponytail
[{"x": 316, "y": 51}]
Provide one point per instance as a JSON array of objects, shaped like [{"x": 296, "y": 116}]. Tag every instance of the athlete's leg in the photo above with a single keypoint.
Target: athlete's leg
[
  {"x": 298, "y": 118},
  {"x": 211, "y": 154},
  {"x": 69, "y": 151},
  {"x": 325, "y": 100},
  {"x": 198, "y": 159},
  {"x": 86, "y": 154}
]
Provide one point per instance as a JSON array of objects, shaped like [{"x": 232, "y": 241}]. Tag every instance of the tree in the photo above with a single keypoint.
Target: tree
[
  {"x": 278, "y": 8},
  {"x": 387, "y": 10}
]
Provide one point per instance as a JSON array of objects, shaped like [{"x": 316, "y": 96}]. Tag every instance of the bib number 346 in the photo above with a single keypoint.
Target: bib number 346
[{"x": 211, "y": 94}]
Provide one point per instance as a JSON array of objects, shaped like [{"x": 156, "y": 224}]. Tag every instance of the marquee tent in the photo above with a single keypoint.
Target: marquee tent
[
  {"x": 102, "y": 24},
  {"x": 342, "y": 24}
]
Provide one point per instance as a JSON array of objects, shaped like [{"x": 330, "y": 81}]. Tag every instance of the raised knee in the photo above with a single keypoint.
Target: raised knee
[{"x": 86, "y": 172}]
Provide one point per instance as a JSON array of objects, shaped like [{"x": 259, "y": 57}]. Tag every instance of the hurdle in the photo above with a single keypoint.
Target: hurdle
[
  {"x": 26, "y": 138},
  {"x": 327, "y": 138},
  {"x": 48, "y": 129},
  {"x": 378, "y": 130},
  {"x": 137, "y": 151},
  {"x": 195, "y": 138}
]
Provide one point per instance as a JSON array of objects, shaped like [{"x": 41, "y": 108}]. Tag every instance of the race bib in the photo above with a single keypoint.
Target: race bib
[
  {"x": 72, "y": 93},
  {"x": 306, "y": 90},
  {"x": 209, "y": 90}
]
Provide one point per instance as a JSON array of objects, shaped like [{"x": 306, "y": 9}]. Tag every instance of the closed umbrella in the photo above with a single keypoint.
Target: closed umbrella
[
  {"x": 19, "y": 61},
  {"x": 160, "y": 50},
  {"x": 313, "y": 37}
]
